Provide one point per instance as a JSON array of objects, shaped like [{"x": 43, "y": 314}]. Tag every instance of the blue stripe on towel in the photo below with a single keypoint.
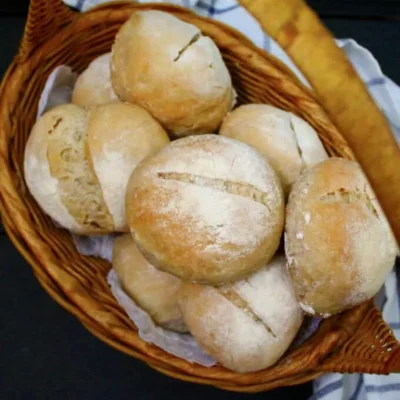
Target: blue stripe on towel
[
  {"x": 382, "y": 389},
  {"x": 360, "y": 382},
  {"x": 79, "y": 4},
  {"x": 328, "y": 389},
  {"x": 375, "y": 82},
  {"x": 212, "y": 10}
]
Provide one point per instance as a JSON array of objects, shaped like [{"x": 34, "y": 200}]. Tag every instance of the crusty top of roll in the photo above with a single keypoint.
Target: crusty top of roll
[
  {"x": 120, "y": 135},
  {"x": 93, "y": 86},
  {"x": 338, "y": 241},
  {"x": 168, "y": 67},
  {"x": 155, "y": 291},
  {"x": 206, "y": 208},
  {"x": 248, "y": 325},
  {"x": 289, "y": 143}
]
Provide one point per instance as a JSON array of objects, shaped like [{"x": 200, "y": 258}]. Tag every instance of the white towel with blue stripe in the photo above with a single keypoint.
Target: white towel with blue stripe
[{"x": 387, "y": 95}]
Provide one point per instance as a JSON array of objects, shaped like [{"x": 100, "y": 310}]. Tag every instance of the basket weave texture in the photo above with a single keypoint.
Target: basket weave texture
[{"x": 355, "y": 341}]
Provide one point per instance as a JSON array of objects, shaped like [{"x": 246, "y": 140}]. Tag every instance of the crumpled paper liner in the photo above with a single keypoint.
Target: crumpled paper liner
[{"x": 57, "y": 91}]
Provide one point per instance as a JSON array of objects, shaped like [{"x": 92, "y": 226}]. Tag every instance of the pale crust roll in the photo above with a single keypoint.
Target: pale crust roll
[
  {"x": 93, "y": 86},
  {"x": 154, "y": 291},
  {"x": 338, "y": 242},
  {"x": 248, "y": 325},
  {"x": 120, "y": 135},
  {"x": 169, "y": 68},
  {"x": 289, "y": 143},
  {"x": 206, "y": 208},
  {"x": 58, "y": 173},
  {"x": 78, "y": 162}
]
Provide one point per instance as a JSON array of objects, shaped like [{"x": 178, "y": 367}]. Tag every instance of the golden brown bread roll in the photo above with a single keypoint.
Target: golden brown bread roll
[
  {"x": 338, "y": 242},
  {"x": 120, "y": 135},
  {"x": 55, "y": 150},
  {"x": 77, "y": 162},
  {"x": 248, "y": 325},
  {"x": 154, "y": 291},
  {"x": 289, "y": 143},
  {"x": 206, "y": 208},
  {"x": 93, "y": 86},
  {"x": 168, "y": 67}
]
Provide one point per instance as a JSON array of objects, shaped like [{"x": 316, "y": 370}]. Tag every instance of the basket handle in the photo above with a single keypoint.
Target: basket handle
[
  {"x": 45, "y": 17},
  {"x": 341, "y": 92}
]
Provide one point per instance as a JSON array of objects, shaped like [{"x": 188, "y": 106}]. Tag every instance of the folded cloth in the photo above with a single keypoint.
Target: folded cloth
[{"x": 387, "y": 96}]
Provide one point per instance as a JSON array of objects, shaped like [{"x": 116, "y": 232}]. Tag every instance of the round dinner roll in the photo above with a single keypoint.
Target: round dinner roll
[
  {"x": 206, "y": 208},
  {"x": 290, "y": 143},
  {"x": 248, "y": 325},
  {"x": 120, "y": 135},
  {"x": 77, "y": 162},
  {"x": 338, "y": 242},
  {"x": 93, "y": 86},
  {"x": 154, "y": 291},
  {"x": 169, "y": 68}
]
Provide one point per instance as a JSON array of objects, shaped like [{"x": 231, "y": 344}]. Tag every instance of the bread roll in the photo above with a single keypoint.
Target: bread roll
[
  {"x": 338, "y": 242},
  {"x": 248, "y": 325},
  {"x": 154, "y": 291},
  {"x": 93, "y": 86},
  {"x": 77, "y": 163},
  {"x": 57, "y": 174},
  {"x": 207, "y": 209},
  {"x": 168, "y": 67},
  {"x": 290, "y": 144},
  {"x": 121, "y": 135}
]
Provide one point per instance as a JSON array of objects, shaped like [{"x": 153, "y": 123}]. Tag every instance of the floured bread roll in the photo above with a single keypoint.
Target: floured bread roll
[
  {"x": 154, "y": 291},
  {"x": 93, "y": 86},
  {"x": 77, "y": 162},
  {"x": 248, "y": 325},
  {"x": 338, "y": 242},
  {"x": 206, "y": 208},
  {"x": 168, "y": 67},
  {"x": 121, "y": 135},
  {"x": 290, "y": 143}
]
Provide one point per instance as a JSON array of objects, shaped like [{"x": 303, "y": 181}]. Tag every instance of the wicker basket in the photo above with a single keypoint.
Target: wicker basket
[{"x": 355, "y": 341}]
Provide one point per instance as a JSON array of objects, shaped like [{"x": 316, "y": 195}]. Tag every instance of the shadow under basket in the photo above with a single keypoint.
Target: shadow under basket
[{"x": 358, "y": 340}]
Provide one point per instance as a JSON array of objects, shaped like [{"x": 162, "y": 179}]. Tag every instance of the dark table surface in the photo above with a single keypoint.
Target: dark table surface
[{"x": 44, "y": 352}]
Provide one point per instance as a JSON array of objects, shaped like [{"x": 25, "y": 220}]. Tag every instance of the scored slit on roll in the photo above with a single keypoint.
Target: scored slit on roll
[
  {"x": 231, "y": 187},
  {"x": 231, "y": 295}
]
